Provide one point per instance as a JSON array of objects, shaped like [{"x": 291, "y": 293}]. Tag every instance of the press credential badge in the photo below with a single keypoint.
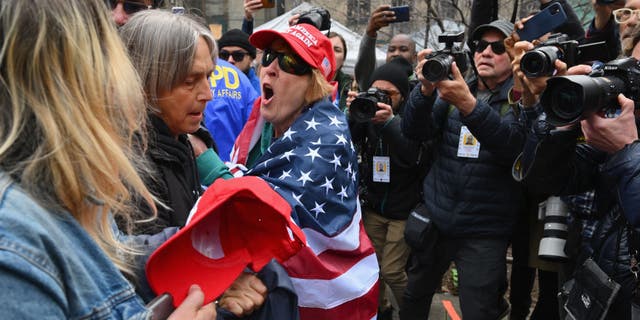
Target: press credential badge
[
  {"x": 468, "y": 146},
  {"x": 381, "y": 169}
]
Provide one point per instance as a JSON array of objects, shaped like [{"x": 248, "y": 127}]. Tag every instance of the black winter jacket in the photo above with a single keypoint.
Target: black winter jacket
[
  {"x": 395, "y": 199},
  {"x": 556, "y": 165},
  {"x": 465, "y": 196},
  {"x": 175, "y": 181}
]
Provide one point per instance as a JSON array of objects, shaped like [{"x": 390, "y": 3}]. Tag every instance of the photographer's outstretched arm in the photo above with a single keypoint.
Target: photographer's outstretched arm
[
  {"x": 366, "y": 61},
  {"x": 250, "y": 7}
]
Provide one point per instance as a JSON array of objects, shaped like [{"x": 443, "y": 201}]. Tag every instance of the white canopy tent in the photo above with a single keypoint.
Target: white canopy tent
[{"x": 281, "y": 23}]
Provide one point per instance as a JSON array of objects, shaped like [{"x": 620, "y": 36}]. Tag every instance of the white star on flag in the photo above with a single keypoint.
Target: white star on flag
[
  {"x": 297, "y": 197},
  {"x": 288, "y": 134},
  {"x": 304, "y": 177},
  {"x": 287, "y": 155},
  {"x": 285, "y": 174},
  {"x": 349, "y": 170},
  {"x": 336, "y": 161},
  {"x": 312, "y": 124},
  {"x": 335, "y": 121},
  {"x": 313, "y": 153},
  {"x": 341, "y": 139},
  {"x": 343, "y": 193},
  {"x": 327, "y": 185},
  {"x": 318, "y": 209}
]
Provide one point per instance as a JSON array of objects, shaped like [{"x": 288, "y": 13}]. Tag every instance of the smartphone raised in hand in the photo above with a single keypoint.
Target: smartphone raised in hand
[
  {"x": 401, "y": 12},
  {"x": 542, "y": 22},
  {"x": 268, "y": 3}
]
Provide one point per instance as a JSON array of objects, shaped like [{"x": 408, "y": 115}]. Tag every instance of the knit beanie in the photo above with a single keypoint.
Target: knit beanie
[
  {"x": 238, "y": 38},
  {"x": 396, "y": 71}
]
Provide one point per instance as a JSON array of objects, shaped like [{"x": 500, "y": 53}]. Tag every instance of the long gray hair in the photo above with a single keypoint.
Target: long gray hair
[{"x": 162, "y": 47}]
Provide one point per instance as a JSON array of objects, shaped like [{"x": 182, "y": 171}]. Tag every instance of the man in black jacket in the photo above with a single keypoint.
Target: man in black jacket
[
  {"x": 390, "y": 176},
  {"x": 468, "y": 192}
]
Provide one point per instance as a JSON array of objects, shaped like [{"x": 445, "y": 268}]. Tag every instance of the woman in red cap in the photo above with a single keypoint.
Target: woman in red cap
[{"x": 299, "y": 142}]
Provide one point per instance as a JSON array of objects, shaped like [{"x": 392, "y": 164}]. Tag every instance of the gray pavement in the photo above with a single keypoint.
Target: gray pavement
[{"x": 438, "y": 310}]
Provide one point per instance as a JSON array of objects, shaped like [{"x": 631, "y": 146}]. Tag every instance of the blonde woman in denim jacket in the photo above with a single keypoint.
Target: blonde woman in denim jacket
[{"x": 71, "y": 106}]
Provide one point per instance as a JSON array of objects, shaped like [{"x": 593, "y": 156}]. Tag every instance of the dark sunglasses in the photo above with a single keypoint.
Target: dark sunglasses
[
  {"x": 288, "y": 62},
  {"x": 497, "y": 46},
  {"x": 127, "y": 6},
  {"x": 237, "y": 55}
]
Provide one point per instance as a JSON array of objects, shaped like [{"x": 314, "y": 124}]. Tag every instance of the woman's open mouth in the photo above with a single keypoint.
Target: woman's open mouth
[{"x": 267, "y": 91}]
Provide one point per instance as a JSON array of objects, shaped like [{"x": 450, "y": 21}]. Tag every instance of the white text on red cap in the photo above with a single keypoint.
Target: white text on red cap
[{"x": 305, "y": 36}]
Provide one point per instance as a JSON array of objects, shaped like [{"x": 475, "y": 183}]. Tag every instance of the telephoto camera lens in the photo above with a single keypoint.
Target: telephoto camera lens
[
  {"x": 567, "y": 99},
  {"x": 540, "y": 62},
  {"x": 554, "y": 236}
]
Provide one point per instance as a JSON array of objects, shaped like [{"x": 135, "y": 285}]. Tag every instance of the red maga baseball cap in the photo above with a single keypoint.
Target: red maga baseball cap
[
  {"x": 307, "y": 42},
  {"x": 237, "y": 223}
]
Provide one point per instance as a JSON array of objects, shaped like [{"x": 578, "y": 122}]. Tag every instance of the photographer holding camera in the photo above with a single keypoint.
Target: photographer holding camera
[
  {"x": 390, "y": 172},
  {"x": 587, "y": 139},
  {"x": 468, "y": 193}
]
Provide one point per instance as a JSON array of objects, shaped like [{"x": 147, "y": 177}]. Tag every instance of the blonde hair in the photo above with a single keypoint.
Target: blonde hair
[
  {"x": 318, "y": 89},
  {"x": 73, "y": 107}
]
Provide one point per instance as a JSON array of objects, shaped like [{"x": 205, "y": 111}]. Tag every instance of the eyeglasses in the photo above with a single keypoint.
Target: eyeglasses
[
  {"x": 237, "y": 55},
  {"x": 497, "y": 46},
  {"x": 390, "y": 93},
  {"x": 288, "y": 62},
  {"x": 128, "y": 6},
  {"x": 623, "y": 15}
]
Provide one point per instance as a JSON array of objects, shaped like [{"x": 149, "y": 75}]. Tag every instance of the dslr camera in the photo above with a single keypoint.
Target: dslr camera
[
  {"x": 567, "y": 99},
  {"x": 539, "y": 62},
  {"x": 317, "y": 17},
  {"x": 365, "y": 105},
  {"x": 438, "y": 66}
]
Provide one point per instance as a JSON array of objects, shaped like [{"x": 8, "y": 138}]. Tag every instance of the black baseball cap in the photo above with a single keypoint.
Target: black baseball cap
[{"x": 502, "y": 26}]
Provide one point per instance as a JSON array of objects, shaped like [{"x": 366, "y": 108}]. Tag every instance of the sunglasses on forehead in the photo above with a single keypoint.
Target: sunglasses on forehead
[
  {"x": 288, "y": 62},
  {"x": 497, "y": 46},
  {"x": 130, "y": 7}
]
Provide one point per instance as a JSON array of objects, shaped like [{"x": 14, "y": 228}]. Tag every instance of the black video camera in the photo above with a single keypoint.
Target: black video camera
[
  {"x": 438, "y": 66},
  {"x": 317, "y": 17},
  {"x": 365, "y": 105},
  {"x": 540, "y": 61},
  {"x": 567, "y": 99}
]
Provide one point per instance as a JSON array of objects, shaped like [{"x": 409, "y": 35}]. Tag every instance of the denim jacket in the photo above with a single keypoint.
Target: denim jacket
[{"x": 50, "y": 268}]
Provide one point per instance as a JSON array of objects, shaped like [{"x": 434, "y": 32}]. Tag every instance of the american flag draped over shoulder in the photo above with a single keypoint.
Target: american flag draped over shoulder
[{"x": 313, "y": 166}]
